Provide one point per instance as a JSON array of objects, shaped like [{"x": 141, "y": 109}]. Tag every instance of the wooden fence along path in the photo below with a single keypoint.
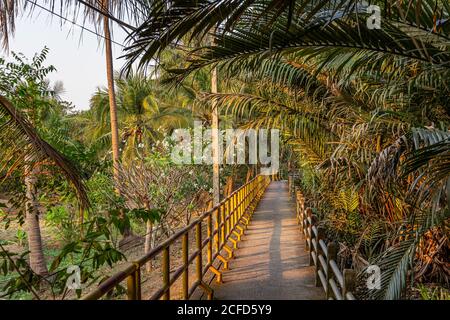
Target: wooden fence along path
[
  {"x": 322, "y": 256},
  {"x": 258, "y": 243}
]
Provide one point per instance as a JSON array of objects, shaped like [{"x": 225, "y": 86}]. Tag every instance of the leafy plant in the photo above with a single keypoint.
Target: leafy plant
[
  {"x": 64, "y": 221},
  {"x": 433, "y": 293},
  {"x": 21, "y": 236}
]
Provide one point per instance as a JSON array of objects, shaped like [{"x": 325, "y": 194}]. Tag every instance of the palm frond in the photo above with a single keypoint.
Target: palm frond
[
  {"x": 123, "y": 12},
  {"x": 396, "y": 262},
  {"x": 424, "y": 155},
  {"x": 22, "y": 143}
]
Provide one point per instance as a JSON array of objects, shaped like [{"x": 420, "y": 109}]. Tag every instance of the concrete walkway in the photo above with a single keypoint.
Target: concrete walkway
[{"x": 271, "y": 262}]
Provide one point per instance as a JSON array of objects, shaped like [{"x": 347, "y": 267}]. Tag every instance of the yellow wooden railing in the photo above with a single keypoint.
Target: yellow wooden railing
[
  {"x": 337, "y": 285},
  {"x": 224, "y": 226}
]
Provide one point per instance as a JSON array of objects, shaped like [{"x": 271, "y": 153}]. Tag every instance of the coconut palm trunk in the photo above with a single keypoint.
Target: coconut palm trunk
[
  {"x": 37, "y": 258},
  {"x": 112, "y": 101},
  {"x": 111, "y": 93}
]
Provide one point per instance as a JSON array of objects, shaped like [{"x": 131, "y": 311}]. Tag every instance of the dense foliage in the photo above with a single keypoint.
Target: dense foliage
[{"x": 364, "y": 115}]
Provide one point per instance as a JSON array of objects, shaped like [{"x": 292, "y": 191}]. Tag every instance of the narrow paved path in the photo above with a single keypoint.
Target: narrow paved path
[{"x": 271, "y": 261}]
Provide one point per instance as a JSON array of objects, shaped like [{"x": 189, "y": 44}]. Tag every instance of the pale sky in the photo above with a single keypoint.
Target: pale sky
[{"x": 80, "y": 62}]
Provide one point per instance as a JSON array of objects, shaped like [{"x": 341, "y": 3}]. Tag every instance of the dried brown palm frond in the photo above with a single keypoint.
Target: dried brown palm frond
[
  {"x": 417, "y": 162},
  {"x": 396, "y": 262},
  {"x": 432, "y": 264}
]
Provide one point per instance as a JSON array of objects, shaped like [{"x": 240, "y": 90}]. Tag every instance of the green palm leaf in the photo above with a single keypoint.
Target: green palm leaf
[{"x": 22, "y": 143}]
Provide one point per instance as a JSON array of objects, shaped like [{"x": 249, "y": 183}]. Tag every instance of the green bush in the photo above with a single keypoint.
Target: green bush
[{"x": 64, "y": 222}]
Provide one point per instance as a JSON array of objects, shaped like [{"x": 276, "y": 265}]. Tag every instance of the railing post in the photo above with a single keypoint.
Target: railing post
[
  {"x": 290, "y": 185},
  {"x": 318, "y": 251},
  {"x": 131, "y": 287},
  {"x": 301, "y": 209},
  {"x": 232, "y": 211},
  {"x": 210, "y": 239},
  {"x": 222, "y": 223},
  {"x": 138, "y": 283},
  {"x": 242, "y": 202},
  {"x": 214, "y": 238},
  {"x": 306, "y": 227},
  {"x": 310, "y": 234},
  {"x": 227, "y": 225},
  {"x": 203, "y": 285},
  {"x": 217, "y": 229},
  {"x": 166, "y": 272},
  {"x": 331, "y": 255},
  {"x": 185, "y": 249},
  {"x": 236, "y": 209},
  {"x": 228, "y": 217},
  {"x": 198, "y": 239},
  {"x": 239, "y": 230},
  {"x": 247, "y": 198},
  {"x": 349, "y": 282},
  {"x": 239, "y": 206}
]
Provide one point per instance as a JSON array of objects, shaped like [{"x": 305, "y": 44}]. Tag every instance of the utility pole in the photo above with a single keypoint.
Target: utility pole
[
  {"x": 215, "y": 141},
  {"x": 215, "y": 134}
]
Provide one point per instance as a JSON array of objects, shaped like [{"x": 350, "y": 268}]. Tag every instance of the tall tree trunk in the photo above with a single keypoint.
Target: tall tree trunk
[
  {"x": 112, "y": 102},
  {"x": 37, "y": 258},
  {"x": 111, "y": 93}
]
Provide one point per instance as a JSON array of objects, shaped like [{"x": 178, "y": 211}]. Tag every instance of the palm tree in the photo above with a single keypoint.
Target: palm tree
[
  {"x": 99, "y": 12},
  {"x": 111, "y": 91},
  {"x": 22, "y": 146},
  {"x": 342, "y": 94},
  {"x": 147, "y": 112}
]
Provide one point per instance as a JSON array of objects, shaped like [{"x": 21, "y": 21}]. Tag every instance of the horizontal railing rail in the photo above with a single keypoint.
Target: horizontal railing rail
[
  {"x": 225, "y": 225},
  {"x": 323, "y": 256}
]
